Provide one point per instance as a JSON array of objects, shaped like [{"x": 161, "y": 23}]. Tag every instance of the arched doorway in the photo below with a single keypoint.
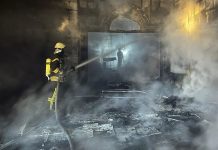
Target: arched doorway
[{"x": 125, "y": 24}]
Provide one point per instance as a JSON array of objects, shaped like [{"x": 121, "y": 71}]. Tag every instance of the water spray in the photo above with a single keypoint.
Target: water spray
[{"x": 101, "y": 56}]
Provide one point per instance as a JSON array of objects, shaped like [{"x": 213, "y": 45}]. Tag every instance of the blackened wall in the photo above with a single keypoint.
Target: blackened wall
[{"x": 28, "y": 32}]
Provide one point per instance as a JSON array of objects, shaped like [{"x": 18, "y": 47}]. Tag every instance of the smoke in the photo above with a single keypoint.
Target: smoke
[
  {"x": 195, "y": 54},
  {"x": 193, "y": 50},
  {"x": 25, "y": 116},
  {"x": 98, "y": 144},
  {"x": 69, "y": 26},
  {"x": 120, "y": 7},
  {"x": 25, "y": 47},
  {"x": 63, "y": 25},
  {"x": 114, "y": 6}
]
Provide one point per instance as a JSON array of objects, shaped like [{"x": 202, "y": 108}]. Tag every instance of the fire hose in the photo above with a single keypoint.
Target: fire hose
[
  {"x": 58, "y": 119},
  {"x": 71, "y": 146}
]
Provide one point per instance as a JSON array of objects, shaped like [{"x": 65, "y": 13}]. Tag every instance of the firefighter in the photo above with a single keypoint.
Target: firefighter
[
  {"x": 120, "y": 58},
  {"x": 54, "y": 70}
]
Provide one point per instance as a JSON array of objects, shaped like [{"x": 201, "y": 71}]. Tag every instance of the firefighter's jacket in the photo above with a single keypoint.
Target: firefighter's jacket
[{"x": 54, "y": 67}]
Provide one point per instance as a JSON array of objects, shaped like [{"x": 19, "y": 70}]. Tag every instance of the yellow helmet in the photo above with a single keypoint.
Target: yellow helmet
[{"x": 59, "y": 45}]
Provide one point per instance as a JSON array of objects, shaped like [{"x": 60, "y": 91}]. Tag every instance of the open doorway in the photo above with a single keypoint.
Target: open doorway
[{"x": 133, "y": 57}]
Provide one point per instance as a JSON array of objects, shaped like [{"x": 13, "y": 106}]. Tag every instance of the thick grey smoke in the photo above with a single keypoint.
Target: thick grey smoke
[
  {"x": 196, "y": 54},
  {"x": 200, "y": 83},
  {"x": 30, "y": 110}
]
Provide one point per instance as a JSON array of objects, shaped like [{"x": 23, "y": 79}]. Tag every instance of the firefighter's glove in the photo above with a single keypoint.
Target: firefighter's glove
[
  {"x": 73, "y": 68},
  {"x": 48, "y": 78}
]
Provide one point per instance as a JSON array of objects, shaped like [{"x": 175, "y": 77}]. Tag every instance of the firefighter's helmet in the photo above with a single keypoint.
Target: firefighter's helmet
[{"x": 59, "y": 47}]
